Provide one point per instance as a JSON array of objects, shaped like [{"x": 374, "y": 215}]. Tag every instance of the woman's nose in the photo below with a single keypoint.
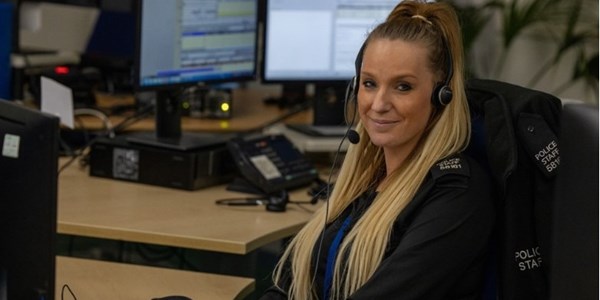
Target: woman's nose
[{"x": 380, "y": 101}]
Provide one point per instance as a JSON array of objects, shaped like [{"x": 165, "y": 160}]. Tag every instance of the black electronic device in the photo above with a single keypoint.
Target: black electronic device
[
  {"x": 110, "y": 48},
  {"x": 271, "y": 164},
  {"x": 6, "y": 47},
  {"x": 209, "y": 164},
  {"x": 28, "y": 195},
  {"x": 184, "y": 43}
]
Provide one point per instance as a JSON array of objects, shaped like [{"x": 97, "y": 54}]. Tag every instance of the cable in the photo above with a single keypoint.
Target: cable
[
  {"x": 140, "y": 114},
  {"x": 62, "y": 292},
  {"x": 242, "y": 201},
  {"x": 110, "y": 132},
  {"x": 327, "y": 195},
  {"x": 107, "y": 129},
  {"x": 261, "y": 200},
  {"x": 295, "y": 110},
  {"x": 96, "y": 113},
  {"x": 329, "y": 184}
]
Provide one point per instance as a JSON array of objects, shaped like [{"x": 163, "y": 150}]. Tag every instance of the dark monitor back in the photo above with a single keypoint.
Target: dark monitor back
[
  {"x": 28, "y": 193},
  {"x": 113, "y": 38},
  {"x": 110, "y": 50},
  {"x": 6, "y": 47}
]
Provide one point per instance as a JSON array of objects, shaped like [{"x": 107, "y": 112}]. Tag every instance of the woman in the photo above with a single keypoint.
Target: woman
[{"x": 410, "y": 215}]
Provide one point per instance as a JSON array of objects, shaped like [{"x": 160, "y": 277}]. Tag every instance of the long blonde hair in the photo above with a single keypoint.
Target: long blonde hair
[{"x": 365, "y": 244}]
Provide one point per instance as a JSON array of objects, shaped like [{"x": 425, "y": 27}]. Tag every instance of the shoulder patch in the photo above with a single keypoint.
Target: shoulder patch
[
  {"x": 540, "y": 143},
  {"x": 451, "y": 165}
]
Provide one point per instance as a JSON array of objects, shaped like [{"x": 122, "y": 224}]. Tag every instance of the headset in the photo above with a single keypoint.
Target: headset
[{"x": 442, "y": 92}]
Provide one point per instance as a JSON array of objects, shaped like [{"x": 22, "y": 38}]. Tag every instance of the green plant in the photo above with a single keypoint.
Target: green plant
[{"x": 569, "y": 27}]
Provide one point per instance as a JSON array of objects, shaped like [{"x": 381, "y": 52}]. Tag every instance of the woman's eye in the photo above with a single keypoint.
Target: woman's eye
[
  {"x": 368, "y": 84},
  {"x": 404, "y": 87}
]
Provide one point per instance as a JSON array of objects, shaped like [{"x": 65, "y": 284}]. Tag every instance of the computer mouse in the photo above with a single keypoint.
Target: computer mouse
[{"x": 173, "y": 297}]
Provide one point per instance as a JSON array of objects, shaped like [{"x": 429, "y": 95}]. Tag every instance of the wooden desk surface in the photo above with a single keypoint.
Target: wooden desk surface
[
  {"x": 91, "y": 279},
  {"x": 112, "y": 209},
  {"x": 248, "y": 111}
]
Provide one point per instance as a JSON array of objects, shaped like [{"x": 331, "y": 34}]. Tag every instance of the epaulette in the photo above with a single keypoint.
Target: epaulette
[{"x": 454, "y": 165}]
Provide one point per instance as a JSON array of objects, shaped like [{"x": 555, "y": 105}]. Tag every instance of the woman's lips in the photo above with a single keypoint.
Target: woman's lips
[{"x": 379, "y": 123}]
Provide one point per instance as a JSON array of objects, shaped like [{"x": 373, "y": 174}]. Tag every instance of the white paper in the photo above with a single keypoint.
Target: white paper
[{"x": 57, "y": 99}]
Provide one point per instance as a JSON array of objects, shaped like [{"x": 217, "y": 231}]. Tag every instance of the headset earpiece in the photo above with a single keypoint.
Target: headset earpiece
[{"x": 442, "y": 95}]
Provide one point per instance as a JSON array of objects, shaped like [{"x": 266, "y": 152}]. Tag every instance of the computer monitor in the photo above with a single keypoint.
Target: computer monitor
[
  {"x": 316, "y": 41},
  {"x": 110, "y": 49},
  {"x": 182, "y": 43},
  {"x": 28, "y": 193}
]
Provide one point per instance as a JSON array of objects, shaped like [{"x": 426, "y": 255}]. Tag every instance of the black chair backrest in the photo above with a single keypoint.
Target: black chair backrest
[{"x": 574, "y": 262}]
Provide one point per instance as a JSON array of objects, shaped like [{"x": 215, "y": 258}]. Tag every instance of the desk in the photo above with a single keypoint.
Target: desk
[
  {"x": 111, "y": 209},
  {"x": 91, "y": 279}
]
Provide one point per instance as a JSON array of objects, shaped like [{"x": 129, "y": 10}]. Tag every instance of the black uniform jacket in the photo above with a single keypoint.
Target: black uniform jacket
[{"x": 439, "y": 243}]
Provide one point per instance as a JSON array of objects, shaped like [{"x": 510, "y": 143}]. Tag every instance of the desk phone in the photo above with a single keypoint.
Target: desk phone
[{"x": 271, "y": 163}]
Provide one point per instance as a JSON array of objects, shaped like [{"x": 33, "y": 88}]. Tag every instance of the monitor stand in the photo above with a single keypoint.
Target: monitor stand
[
  {"x": 329, "y": 104},
  {"x": 293, "y": 94},
  {"x": 328, "y": 112}
]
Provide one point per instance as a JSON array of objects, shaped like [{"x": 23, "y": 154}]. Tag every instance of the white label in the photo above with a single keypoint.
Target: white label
[
  {"x": 11, "y": 145},
  {"x": 265, "y": 166}
]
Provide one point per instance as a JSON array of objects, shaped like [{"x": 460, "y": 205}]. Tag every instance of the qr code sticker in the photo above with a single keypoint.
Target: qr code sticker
[{"x": 126, "y": 164}]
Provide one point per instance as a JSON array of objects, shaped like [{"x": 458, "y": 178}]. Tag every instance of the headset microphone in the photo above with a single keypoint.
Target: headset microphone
[{"x": 353, "y": 136}]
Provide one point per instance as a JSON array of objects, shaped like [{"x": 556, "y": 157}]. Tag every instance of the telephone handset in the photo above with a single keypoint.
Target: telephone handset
[{"x": 271, "y": 163}]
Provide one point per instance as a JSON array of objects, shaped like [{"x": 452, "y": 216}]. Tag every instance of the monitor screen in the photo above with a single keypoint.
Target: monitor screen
[
  {"x": 317, "y": 40},
  {"x": 183, "y": 42},
  {"x": 28, "y": 197}
]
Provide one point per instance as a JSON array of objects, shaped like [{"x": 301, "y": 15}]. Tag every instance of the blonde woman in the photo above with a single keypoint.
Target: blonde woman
[{"x": 410, "y": 216}]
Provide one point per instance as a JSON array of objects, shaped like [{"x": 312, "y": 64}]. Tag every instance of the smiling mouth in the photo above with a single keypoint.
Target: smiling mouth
[{"x": 382, "y": 122}]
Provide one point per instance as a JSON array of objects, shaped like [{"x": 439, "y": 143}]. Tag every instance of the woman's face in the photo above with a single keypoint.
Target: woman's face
[{"x": 394, "y": 98}]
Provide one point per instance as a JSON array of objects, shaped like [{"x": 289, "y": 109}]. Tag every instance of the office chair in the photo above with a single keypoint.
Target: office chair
[
  {"x": 574, "y": 261},
  {"x": 514, "y": 136}
]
